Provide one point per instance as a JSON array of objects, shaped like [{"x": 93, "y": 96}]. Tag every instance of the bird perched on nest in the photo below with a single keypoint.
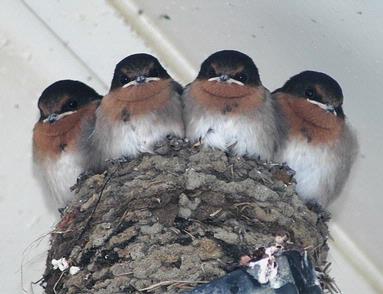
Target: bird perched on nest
[
  {"x": 142, "y": 108},
  {"x": 65, "y": 106},
  {"x": 320, "y": 147},
  {"x": 227, "y": 107}
]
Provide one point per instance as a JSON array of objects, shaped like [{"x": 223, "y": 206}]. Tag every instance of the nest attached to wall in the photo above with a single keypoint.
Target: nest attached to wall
[{"x": 169, "y": 221}]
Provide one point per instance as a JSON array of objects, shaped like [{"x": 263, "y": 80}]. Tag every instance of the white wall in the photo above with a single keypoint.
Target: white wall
[{"x": 43, "y": 41}]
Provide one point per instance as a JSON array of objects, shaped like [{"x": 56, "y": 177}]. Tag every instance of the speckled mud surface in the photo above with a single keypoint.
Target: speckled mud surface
[{"x": 169, "y": 221}]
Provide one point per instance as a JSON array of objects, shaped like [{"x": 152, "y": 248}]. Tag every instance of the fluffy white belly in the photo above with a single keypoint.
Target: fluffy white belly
[
  {"x": 60, "y": 175},
  {"x": 315, "y": 167},
  {"x": 246, "y": 137},
  {"x": 130, "y": 139}
]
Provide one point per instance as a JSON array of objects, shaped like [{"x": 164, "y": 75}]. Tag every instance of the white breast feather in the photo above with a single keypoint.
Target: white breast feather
[
  {"x": 316, "y": 168},
  {"x": 222, "y": 131},
  {"x": 138, "y": 135},
  {"x": 60, "y": 175}
]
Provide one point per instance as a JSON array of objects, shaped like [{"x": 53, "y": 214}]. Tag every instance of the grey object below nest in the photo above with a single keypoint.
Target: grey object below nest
[{"x": 293, "y": 274}]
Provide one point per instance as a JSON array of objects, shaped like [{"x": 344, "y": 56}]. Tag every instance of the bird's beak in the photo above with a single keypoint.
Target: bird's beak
[
  {"x": 327, "y": 107},
  {"x": 53, "y": 117},
  {"x": 332, "y": 110},
  {"x": 140, "y": 80},
  {"x": 225, "y": 79}
]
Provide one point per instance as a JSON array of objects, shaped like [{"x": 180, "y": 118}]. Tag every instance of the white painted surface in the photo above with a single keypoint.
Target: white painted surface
[
  {"x": 348, "y": 278},
  {"x": 82, "y": 41},
  {"x": 92, "y": 30}
]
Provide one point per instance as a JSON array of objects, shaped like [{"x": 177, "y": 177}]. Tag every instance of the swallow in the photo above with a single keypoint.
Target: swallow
[
  {"x": 142, "y": 108},
  {"x": 320, "y": 146},
  {"x": 228, "y": 108},
  {"x": 65, "y": 107}
]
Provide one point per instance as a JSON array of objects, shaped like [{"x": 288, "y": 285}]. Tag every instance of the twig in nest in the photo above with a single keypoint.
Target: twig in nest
[
  {"x": 175, "y": 230},
  {"x": 59, "y": 232},
  {"x": 35, "y": 243},
  {"x": 57, "y": 282},
  {"x": 98, "y": 202},
  {"x": 166, "y": 283},
  {"x": 243, "y": 203},
  {"x": 242, "y": 206},
  {"x": 153, "y": 183},
  {"x": 215, "y": 213},
  {"x": 191, "y": 236},
  {"x": 38, "y": 281},
  {"x": 180, "y": 286},
  {"x": 122, "y": 218},
  {"x": 327, "y": 282},
  {"x": 123, "y": 274}
]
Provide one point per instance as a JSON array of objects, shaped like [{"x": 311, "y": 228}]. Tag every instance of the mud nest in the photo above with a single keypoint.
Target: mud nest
[{"x": 166, "y": 222}]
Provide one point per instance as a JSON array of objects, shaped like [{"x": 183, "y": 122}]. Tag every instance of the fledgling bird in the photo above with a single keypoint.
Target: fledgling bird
[
  {"x": 321, "y": 147},
  {"x": 142, "y": 108},
  {"x": 228, "y": 108},
  {"x": 65, "y": 107}
]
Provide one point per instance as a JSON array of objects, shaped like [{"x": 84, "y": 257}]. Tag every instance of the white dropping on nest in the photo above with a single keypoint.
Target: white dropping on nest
[
  {"x": 74, "y": 270},
  {"x": 268, "y": 268},
  {"x": 61, "y": 264}
]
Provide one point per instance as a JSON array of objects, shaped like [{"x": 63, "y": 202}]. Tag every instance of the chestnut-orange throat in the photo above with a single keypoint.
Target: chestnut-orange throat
[
  {"x": 308, "y": 121},
  {"x": 125, "y": 103},
  {"x": 226, "y": 98},
  {"x": 49, "y": 140}
]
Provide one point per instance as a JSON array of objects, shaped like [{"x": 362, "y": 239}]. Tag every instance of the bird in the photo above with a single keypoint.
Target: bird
[
  {"x": 227, "y": 108},
  {"x": 142, "y": 108},
  {"x": 65, "y": 106},
  {"x": 320, "y": 145}
]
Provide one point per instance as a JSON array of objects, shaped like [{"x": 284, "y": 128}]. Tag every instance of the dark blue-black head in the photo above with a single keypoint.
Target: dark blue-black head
[
  {"x": 318, "y": 87},
  {"x": 64, "y": 96},
  {"x": 139, "y": 69},
  {"x": 230, "y": 65}
]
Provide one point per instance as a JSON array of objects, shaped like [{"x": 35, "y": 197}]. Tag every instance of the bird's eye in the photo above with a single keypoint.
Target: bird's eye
[
  {"x": 242, "y": 77},
  {"x": 309, "y": 93},
  {"x": 124, "y": 79},
  {"x": 154, "y": 73},
  {"x": 71, "y": 104},
  {"x": 211, "y": 73}
]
